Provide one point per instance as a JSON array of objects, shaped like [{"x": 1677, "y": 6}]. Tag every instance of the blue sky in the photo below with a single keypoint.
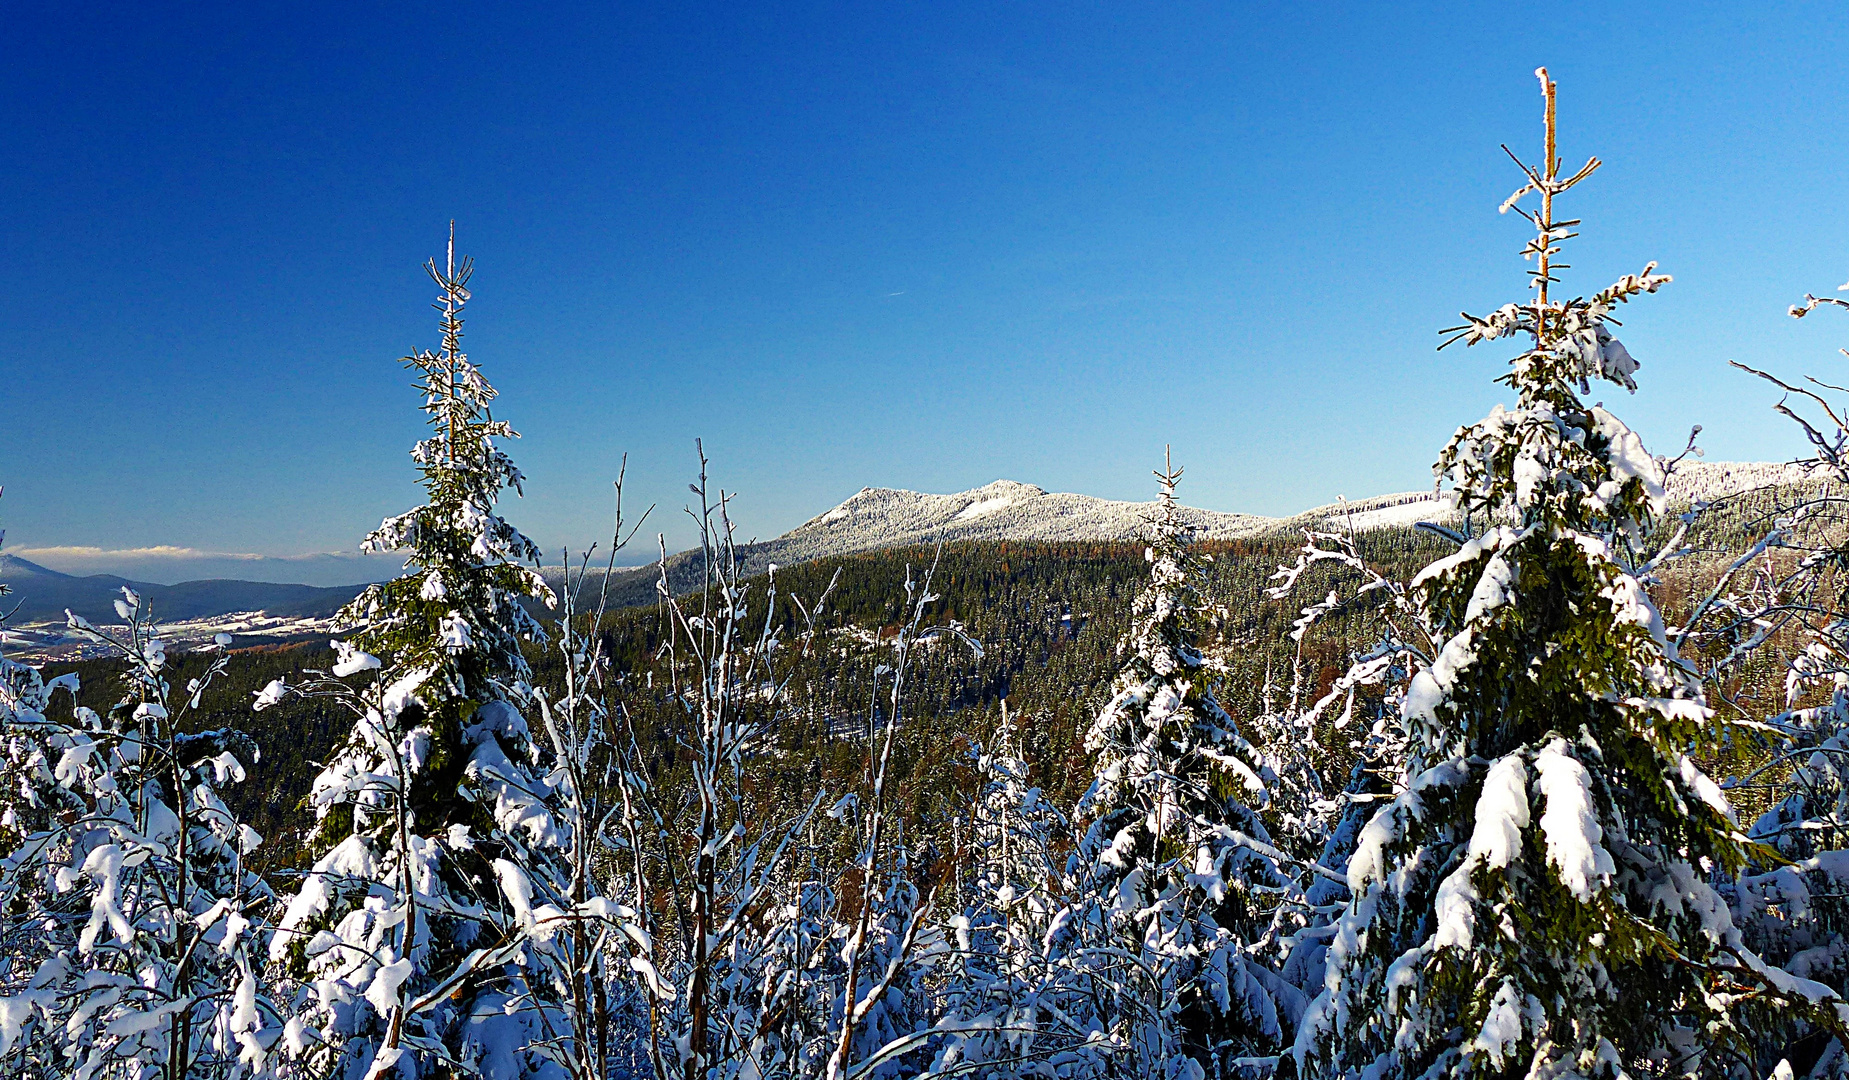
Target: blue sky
[{"x": 918, "y": 246}]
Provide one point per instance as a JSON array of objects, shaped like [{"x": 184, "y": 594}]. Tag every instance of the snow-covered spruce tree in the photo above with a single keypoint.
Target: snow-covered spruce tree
[
  {"x": 879, "y": 1011},
  {"x": 1014, "y": 992},
  {"x": 410, "y": 931},
  {"x": 1284, "y": 731},
  {"x": 130, "y": 923},
  {"x": 1180, "y": 867},
  {"x": 1537, "y": 902}
]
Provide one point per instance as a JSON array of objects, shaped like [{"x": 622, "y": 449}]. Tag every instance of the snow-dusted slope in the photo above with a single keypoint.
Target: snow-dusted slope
[
  {"x": 1693, "y": 481},
  {"x": 1379, "y": 512},
  {"x": 1004, "y": 510},
  {"x": 1007, "y": 510},
  {"x": 877, "y": 518},
  {"x": 1705, "y": 481}
]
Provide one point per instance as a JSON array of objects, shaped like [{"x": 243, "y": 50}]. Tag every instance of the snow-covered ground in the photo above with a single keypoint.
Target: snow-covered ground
[{"x": 42, "y": 641}]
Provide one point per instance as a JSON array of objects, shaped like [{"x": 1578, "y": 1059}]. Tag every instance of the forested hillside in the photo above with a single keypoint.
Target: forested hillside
[{"x": 1047, "y": 616}]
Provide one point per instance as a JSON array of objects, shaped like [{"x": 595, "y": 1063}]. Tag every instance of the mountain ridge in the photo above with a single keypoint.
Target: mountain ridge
[
  {"x": 873, "y": 518},
  {"x": 876, "y": 518}
]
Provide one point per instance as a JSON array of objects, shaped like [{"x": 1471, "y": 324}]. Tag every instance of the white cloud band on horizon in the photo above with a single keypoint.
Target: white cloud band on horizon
[
  {"x": 170, "y": 551},
  {"x": 168, "y": 564}
]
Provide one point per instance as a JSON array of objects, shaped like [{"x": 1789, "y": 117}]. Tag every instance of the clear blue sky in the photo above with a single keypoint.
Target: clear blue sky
[{"x": 918, "y": 246}]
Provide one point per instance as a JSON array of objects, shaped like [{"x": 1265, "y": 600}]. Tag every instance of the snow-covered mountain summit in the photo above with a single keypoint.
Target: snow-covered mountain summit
[
  {"x": 876, "y": 518},
  {"x": 1003, "y": 510}
]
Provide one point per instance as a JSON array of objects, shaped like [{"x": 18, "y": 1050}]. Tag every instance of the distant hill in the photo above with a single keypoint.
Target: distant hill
[
  {"x": 875, "y": 519},
  {"x": 872, "y": 519},
  {"x": 41, "y": 594}
]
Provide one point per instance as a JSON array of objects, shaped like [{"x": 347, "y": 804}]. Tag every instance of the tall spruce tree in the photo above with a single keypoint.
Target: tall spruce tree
[
  {"x": 1179, "y": 865},
  {"x": 411, "y": 927},
  {"x": 1538, "y": 902}
]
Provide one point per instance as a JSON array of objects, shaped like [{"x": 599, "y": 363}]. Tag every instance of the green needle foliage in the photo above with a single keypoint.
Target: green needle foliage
[
  {"x": 1177, "y": 861},
  {"x": 455, "y": 613}
]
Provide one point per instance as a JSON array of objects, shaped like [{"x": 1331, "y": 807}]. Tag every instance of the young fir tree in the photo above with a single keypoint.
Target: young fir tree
[
  {"x": 1181, "y": 869},
  {"x": 1537, "y": 903},
  {"x": 435, "y": 808},
  {"x": 1014, "y": 1000}
]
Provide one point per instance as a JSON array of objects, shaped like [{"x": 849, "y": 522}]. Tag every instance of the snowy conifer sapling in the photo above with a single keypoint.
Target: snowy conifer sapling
[
  {"x": 1180, "y": 866},
  {"x": 1538, "y": 902},
  {"x": 434, "y": 816},
  {"x": 1014, "y": 1001}
]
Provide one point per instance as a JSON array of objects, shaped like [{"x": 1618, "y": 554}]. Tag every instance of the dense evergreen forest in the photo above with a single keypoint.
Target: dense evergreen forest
[{"x": 1048, "y": 618}]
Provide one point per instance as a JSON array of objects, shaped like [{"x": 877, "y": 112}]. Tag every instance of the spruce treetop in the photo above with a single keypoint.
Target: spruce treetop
[
  {"x": 1163, "y": 617},
  {"x": 1553, "y": 475},
  {"x": 1553, "y": 460},
  {"x": 456, "y": 612},
  {"x": 1164, "y": 733}
]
